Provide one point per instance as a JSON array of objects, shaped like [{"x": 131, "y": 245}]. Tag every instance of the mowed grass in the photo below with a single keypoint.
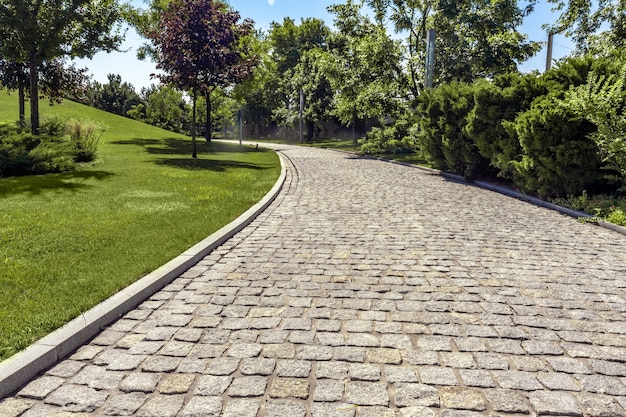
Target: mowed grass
[{"x": 69, "y": 241}]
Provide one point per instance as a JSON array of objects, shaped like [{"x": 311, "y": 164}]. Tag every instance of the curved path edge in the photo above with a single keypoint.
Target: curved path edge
[
  {"x": 515, "y": 194},
  {"x": 23, "y": 366}
]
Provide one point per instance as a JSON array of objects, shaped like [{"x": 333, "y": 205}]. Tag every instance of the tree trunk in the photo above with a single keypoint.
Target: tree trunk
[
  {"x": 310, "y": 126},
  {"x": 34, "y": 94},
  {"x": 22, "y": 100},
  {"x": 194, "y": 153},
  {"x": 354, "y": 140},
  {"x": 209, "y": 123}
]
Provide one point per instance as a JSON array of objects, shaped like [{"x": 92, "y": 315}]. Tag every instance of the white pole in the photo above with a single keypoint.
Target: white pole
[{"x": 301, "y": 111}]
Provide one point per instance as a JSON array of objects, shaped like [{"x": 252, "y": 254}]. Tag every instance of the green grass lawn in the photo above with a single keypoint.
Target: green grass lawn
[
  {"x": 330, "y": 143},
  {"x": 69, "y": 241}
]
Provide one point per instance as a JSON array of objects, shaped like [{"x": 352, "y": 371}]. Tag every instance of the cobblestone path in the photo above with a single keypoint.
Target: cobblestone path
[{"x": 369, "y": 289}]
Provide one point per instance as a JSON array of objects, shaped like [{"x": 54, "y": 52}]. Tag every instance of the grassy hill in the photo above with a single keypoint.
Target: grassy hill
[{"x": 69, "y": 241}]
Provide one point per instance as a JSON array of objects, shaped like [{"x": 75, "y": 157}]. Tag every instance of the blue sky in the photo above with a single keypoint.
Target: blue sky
[{"x": 263, "y": 12}]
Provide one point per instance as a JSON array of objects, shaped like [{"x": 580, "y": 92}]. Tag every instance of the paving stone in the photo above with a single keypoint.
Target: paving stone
[
  {"x": 364, "y": 372},
  {"x": 203, "y": 407},
  {"x": 332, "y": 369},
  {"x": 608, "y": 368},
  {"x": 41, "y": 387},
  {"x": 279, "y": 351},
  {"x": 124, "y": 404},
  {"x": 397, "y": 341},
  {"x": 331, "y": 410},
  {"x": 273, "y": 336},
  {"x": 507, "y": 401},
  {"x": 537, "y": 347},
  {"x": 470, "y": 344},
  {"x": 350, "y": 354},
  {"x": 315, "y": 353},
  {"x": 568, "y": 365},
  {"x": 437, "y": 376},
  {"x": 126, "y": 362},
  {"x": 140, "y": 382},
  {"x": 77, "y": 398},
  {"x": 329, "y": 390},
  {"x": 257, "y": 366},
  {"x": 462, "y": 360},
  {"x": 409, "y": 395},
  {"x": 415, "y": 357},
  {"x": 462, "y": 398},
  {"x": 13, "y": 407},
  {"x": 436, "y": 343},
  {"x": 248, "y": 386},
  {"x": 301, "y": 337},
  {"x": 558, "y": 381},
  {"x": 289, "y": 387},
  {"x": 222, "y": 366},
  {"x": 66, "y": 369},
  {"x": 602, "y": 384},
  {"x": 599, "y": 406},
  {"x": 416, "y": 411},
  {"x": 362, "y": 339},
  {"x": 242, "y": 408},
  {"x": 295, "y": 369},
  {"x": 554, "y": 403},
  {"x": 146, "y": 347},
  {"x": 476, "y": 378},
  {"x": 176, "y": 383},
  {"x": 245, "y": 350},
  {"x": 211, "y": 385},
  {"x": 525, "y": 381},
  {"x": 284, "y": 408},
  {"x": 367, "y": 393},
  {"x": 491, "y": 361},
  {"x": 162, "y": 406},
  {"x": 331, "y": 339},
  {"x": 395, "y": 374},
  {"x": 383, "y": 355}
]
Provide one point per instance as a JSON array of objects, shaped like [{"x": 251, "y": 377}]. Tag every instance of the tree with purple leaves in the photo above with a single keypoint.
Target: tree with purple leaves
[{"x": 201, "y": 45}]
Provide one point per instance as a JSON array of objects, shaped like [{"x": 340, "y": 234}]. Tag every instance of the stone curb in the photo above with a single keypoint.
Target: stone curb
[
  {"x": 24, "y": 366},
  {"x": 511, "y": 193}
]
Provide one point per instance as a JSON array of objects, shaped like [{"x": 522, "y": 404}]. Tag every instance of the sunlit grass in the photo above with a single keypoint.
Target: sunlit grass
[{"x": 69, "y": 241}]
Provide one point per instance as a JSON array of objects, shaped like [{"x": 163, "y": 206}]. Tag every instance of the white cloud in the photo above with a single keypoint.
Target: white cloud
[{"x": 271, "y": 2}]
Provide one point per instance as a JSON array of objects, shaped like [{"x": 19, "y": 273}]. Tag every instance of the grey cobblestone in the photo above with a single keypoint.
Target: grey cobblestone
[{"x": 382, "y": 297}]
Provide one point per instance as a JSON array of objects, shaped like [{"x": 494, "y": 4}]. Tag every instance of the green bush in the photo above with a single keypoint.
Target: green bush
[
  {"x": 58, "y": 148},
  {"x": 558, "y": 157},
  {"x": 399, "y": 137},
  {"x": 497, "y": 103},
  {"x": 444, "y": 112}
]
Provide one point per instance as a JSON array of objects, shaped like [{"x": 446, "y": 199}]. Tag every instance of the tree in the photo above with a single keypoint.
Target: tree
[
  {"x": 583, "y": 19},
  {"x": 38, "y": 31},
  {"x": 363, "y": 67},
  {"x": 200, "y": 46},
  {"x": 115, "y": 96},
  {"x": 475, "y": 38},
  {"x": 297, "y": 51},
  {"x": 479, "y": 38},
  {"x": 14, "y": 76}
]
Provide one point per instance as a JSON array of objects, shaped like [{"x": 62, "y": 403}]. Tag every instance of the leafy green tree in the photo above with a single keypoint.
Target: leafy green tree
[
  {"x": 475, "y": 38},
  {"x": 363, "y": 66},
  {"x": 166, "y": 108},
  {"x": 200, "y": 46},
  {"x": 38, "y": 31},
  {"x": 115, "y": 96},
  {"x": 296, "y": 50},
  {"x": 479, "y": 38},
  {"x": 583, "y": 20},
  {"x": 602, "y": 101}
]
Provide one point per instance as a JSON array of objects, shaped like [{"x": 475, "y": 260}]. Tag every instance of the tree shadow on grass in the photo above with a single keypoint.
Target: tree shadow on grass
[
  {"x": 182, "y": 148},
  {"x": 178, "y": 146},
  {"x": 38, "y": 184}
]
